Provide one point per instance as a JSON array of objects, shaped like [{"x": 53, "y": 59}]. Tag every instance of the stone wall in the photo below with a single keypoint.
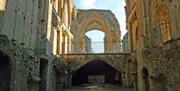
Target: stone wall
[
  {"x": 69, "y": 63},
  {"x": 28, "y": 36},
  {"x": 25, "y": 23},
  {"x": 164, "y": 68},
  {"x": 103, "y": 20},
  {"x": 23, "y": 65},
  {"x": 154, "y": 42}
]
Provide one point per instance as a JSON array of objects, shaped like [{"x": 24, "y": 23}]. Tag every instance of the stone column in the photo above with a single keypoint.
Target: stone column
[
  {"x": 116, "y": 46},
  {"x": 61, "y": 40},
  {"x": 55, "y": 42},
  {"x": 175, "y": 19},
  {"x": 59, "y": 82},
  {"x": 127, "y": 75},
  {"x": 80, "y": 44},
  {"x": 124, "y": 80},
  {"x": 66, "y": 44},
  {"x": 56, "y": 5},
  {"x": 65, "y": 14},
  {"x": 68, "y": 79},
  {"x": 63, "y": 43},
  {"x": 70, "y": 45},
  {"x": 108, "y": 44}
]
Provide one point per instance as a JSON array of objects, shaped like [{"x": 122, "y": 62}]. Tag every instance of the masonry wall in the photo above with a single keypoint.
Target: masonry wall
[
  {"x": 159, "y": 57},
  {"x": 24, "y": 24},
  {"x": 27, "y": 37}
]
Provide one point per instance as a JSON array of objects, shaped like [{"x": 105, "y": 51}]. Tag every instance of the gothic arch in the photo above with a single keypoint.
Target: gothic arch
[
  {"x": 96, "y": 67},
  {"x": 73, "y": 62},
  {"x": 103, "y": 20},
  {"x": 119, "y": 67}
]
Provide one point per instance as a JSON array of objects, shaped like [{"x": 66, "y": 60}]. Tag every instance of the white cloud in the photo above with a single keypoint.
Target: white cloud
[
  {"x": 92, "y": 4},
  {"x": 87, "y": 4}
]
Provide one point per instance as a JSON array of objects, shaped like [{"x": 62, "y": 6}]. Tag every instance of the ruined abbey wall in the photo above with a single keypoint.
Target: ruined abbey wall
[{"x": 153, "y": 28}]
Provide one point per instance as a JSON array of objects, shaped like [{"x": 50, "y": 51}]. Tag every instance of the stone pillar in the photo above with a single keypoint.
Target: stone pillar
[
  {"x": 63, "y": 43},
  {"x": 124, "y": 80},
  {"x": 108, "y": 44},
  {"x": 80, "y": 44},
  {"x": 61, "y": 40},
  {"x": 175, "y": 19},
  {"x": 59, "y": 82},
  {"x": 70, "y": 45},
  {"x": 55, "y": 42},
  {"x": 66, "y": 44},
  {"x": 105, "y": 46},
  {"x": 68, "y": 79},
  {"x": 65, "y": 14},
  {"x": 56, "y": 5},
  {"x": 116, "y": 46},
  {"x": 127, "y": 75}
]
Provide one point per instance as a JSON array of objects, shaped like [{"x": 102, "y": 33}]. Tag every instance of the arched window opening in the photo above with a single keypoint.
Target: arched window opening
[{"x": 95, "y": 41}]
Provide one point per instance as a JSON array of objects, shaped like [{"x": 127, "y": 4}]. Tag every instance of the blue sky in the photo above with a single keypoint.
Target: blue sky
[
  {"x": 116, "y": 6},
  {"x": 97, "y": 38}
]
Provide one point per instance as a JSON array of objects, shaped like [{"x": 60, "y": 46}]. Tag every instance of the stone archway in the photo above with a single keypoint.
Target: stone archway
[
  {"x": 96, "y": 72},
  {"x": 103, "y": 20},
  {"x": 5, "y": 72},
  {"x": 73, "y": 62}
]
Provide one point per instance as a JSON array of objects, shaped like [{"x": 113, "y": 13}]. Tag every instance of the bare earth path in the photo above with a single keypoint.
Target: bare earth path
[{"x": 98, "y": 88}]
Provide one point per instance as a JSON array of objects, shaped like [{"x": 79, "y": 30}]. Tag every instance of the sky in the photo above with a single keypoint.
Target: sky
[
  {"x": 97, "y": 38},
  {"x": 116, "y": 6}
]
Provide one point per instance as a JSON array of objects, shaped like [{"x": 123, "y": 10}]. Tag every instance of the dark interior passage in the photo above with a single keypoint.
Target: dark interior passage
[
  {"x": 96, "y": 72},
  {"x": 43, "y": 74},
  {"x": 5, "y": 73},
  {"x": 146, "y": 79}
]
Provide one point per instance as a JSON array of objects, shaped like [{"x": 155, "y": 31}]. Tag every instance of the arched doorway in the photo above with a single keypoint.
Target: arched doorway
[
  {"x": 96, "y": 72},
  {"x": 5, "y": 72},
  {"x": 43, "y": 74},
  {"x": 146, "y": 79}
]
